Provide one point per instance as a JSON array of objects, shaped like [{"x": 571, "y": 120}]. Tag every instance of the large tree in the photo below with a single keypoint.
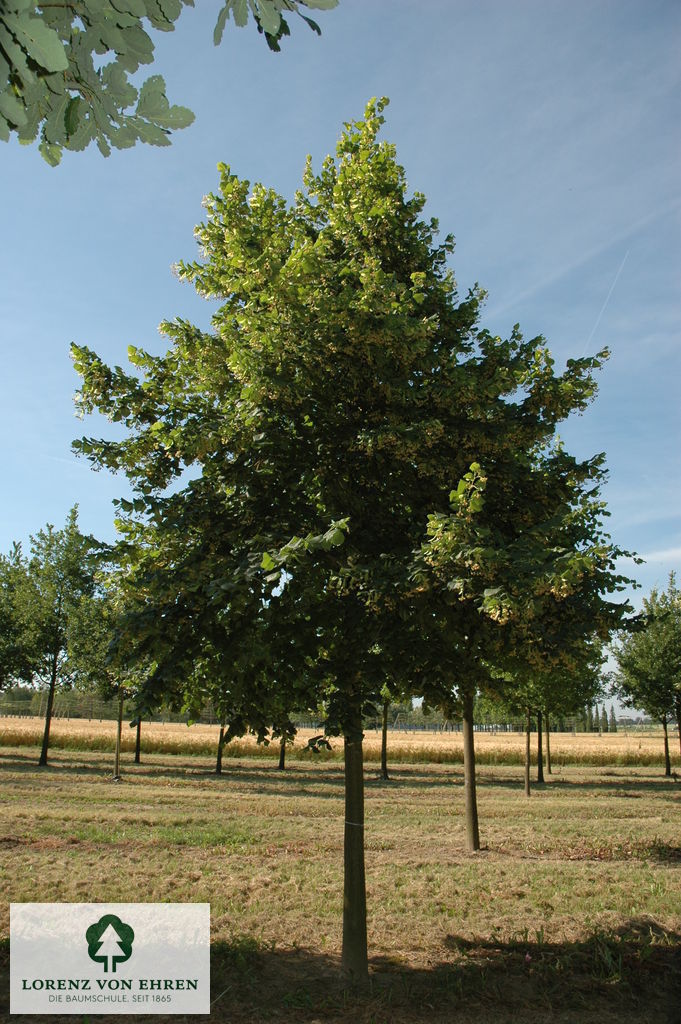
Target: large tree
[
  {"x": 342, "y": 392},
  {"x": 54, "y": 82},
  {"x": 648, "y": 674}
]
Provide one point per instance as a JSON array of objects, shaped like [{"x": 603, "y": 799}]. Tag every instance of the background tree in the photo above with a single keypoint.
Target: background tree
[
  {"x": 578, "y": 676},
  {"x": 93, "y": 661},
  {"x": 16, "y": 642},
  {"x": 59, "y": 575},
  {"x": 385, "y": 710},
  {"x": 53, "y": 81},
  {"x": 575, "y": 675},
  {"x": 612, "y": 720},
  {"x": 648, "y": 674},
  {"x": 521, "y": 561}
]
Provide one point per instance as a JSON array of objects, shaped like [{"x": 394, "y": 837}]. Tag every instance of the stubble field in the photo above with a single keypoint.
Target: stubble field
[
  {"x": 624, "y": 748},
  {"x": 570, "y": 913}
]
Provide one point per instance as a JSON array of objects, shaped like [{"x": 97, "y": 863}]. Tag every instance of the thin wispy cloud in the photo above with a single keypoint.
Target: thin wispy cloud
[
  {"x": 665, "y": 555},
  {"x": 586, "y": 257}
]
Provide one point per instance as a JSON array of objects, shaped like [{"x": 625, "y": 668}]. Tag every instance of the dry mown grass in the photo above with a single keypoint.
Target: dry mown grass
[
  {"x": 633, "y": 748},
  {"x": 571, "y": 912}
]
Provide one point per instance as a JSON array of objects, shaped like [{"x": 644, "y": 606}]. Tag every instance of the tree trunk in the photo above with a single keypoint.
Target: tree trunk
[
  {"x": 282, "y": 753},
  {"x": 667, "y": 760},
  {"x": 42, "y": 762},
  {"x": 677, "y": 708},
  {"x": 548, "y": 745},
  {"x": 540, "y": 749},
  {"x": 355, "y": 957},
  {"x": 384, "y": 742},
  {"x": 221, "y": 743},
  {"x": 472, "y": 830},
  {"x": 119, "y": 729},
  {"x": 528, "y": 724},
  {"x": 138, "y": 741}
]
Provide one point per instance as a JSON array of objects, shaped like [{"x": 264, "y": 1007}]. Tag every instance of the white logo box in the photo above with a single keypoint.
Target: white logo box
[{"x": 106, "y": 958}]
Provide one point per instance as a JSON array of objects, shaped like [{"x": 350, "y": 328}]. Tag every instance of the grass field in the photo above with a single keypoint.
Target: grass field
[{"x": 570, "y": 913}]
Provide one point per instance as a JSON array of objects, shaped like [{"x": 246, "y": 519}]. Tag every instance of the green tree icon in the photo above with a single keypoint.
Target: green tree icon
[{"x": 109, "y": 942}]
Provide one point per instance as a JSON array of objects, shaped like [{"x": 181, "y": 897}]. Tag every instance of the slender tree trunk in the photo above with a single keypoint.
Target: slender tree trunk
[
  {"x": 282, "y": 753},
  {"x": 42, "y": 762},
  {"x": 138, "y": 741},
  {"x": 548, "y": 745},
  {"x": 540, "y": 749},
  {"x": 119, "y": 729},
  {"x": 677, "y": 708},
  {"x": 528, "y": 724},
  {"x": 355, "y": 956},
  {"x": 221, "y": 743},
  {"x": 472, "y": 830},
  {"x": 667, "y": 760},
  {"x": 384, "y": 741}
]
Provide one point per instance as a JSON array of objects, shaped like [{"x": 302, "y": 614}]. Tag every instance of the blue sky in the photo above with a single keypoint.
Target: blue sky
[{"x": 546, "y": 136}]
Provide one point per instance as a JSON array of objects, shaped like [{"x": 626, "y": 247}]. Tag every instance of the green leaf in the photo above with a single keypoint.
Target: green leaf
[
  {"x": 11, "y": 109},
  {"x": 171, "y": 9},
  {"x": 268, "y": 16},
  {"x": 54, "y": 129},
  {"x": 267, "y": 563},
  {"x": 240, "y": 13},
  {"x": 152, "y": 134},
  {"x": 55, "y": 83},
  {"x": 134, "y": 7},
  {"x": 41, "y": 43},
  {"x": 139, "y": 42},
  {"x": 112, "y": 37},
  {"x": 16, "y": 56},
  {"x": 71, "y": 117},
  {"x": 177, "y": 117},
  {"x": 50, "y": 153},
  {"x": 152, "y": 99},
  {"x": 220, "y": 26},
  {"x": 313, "y": 24}
]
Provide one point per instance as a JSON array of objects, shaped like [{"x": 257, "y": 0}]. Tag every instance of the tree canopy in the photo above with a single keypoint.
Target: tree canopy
[
  {"x": 648, "y": 673},
  {"x": 65, "y": 68},
  {"x": 16, "y": 648},
  {"x": 41, "y": 606}
]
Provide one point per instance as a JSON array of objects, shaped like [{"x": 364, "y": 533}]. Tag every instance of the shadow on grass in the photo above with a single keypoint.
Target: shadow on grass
[
  {"x": 262, "y": 772},
  {"x": 326, "y": 776},
  {"x": 631, "y": 975},
  {"x": 622, "y": 782}
]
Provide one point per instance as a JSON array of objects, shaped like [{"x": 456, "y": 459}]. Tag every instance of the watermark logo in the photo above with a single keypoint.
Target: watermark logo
[
  {"x": 109, "y": 942},
  {"x": 126, "y": 958}
]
